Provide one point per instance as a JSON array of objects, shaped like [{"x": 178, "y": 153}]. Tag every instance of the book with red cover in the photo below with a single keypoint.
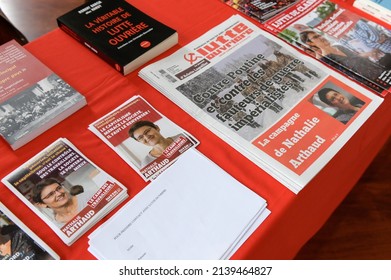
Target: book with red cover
[
  {"x": 32, "y": 97},
  {"x": 118, "y": 32}
]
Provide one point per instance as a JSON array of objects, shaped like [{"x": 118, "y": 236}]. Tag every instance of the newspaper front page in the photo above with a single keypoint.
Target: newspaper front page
[{"x": 286, "y": 112}]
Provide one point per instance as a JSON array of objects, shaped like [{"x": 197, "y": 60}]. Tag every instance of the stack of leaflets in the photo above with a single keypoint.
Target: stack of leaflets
[
  {"x": 339, "y": 37},
  {"x": 32, "y": 97},
  {"x": 65, "y": 189},
  {"x": 261, "y": 10},
  {"x": 285, "y": 111},
  {"x": 18, "y": 242},
  {"x": 144, "y": 138},
  {"x": 192, "y": 211}
]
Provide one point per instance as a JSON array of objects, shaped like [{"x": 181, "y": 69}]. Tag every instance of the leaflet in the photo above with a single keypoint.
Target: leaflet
[
  {"x": 145, "y": 139},
  {"x": 65, "y": 189}
]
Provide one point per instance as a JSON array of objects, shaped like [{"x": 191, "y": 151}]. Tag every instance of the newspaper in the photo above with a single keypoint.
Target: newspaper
[
  {"x": 145, "y": 139},
  {"x": 264, "y": 98},
  {"x": 341, "y": 38}
]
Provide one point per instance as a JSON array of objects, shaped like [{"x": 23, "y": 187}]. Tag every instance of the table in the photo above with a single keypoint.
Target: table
[{"x": 294, "y": 218}]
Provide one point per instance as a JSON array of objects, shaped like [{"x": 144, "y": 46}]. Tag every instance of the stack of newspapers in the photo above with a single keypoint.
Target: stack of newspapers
[
  {"x": 272, "y": 103},
  {"x": 194, "y": 210}
]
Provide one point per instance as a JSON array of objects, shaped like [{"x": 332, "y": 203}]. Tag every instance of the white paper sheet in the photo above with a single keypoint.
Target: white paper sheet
[{"x": 195, "y": 210}]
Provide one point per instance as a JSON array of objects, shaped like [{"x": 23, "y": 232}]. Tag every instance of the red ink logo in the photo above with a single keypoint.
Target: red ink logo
[
  {"x": 145, "y": 44},
  {"x": 191, "y": 57}
]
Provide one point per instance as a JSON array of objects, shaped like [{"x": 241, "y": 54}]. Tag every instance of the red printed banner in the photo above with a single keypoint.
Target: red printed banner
[
  {"x": 116, "y": 125},
  {"x": 303, "y": 135},
  {"x": 338, "y": 23}
]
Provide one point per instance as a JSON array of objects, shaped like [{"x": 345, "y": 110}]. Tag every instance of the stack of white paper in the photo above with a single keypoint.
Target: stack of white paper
[{"x": 193, "y": 210}]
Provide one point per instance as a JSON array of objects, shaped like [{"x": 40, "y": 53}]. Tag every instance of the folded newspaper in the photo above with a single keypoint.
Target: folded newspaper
[{"x": 286, "y": 112}]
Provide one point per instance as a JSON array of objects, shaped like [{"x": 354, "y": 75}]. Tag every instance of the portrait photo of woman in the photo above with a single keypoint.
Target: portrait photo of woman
[{"x": 341, "y": 105}]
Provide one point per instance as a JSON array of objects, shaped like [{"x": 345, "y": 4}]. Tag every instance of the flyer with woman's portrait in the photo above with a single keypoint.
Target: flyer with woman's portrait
[
  {"x": 148, "y": 141},
  {"x": 65, "y": 189}
]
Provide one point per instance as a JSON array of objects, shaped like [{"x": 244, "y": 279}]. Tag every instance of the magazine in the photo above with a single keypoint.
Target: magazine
[
  {"x": 18, "y": 242},
  {"x": 285, "y": 111},
  {"x": 192, "y": 211},
  {"x": 339, "y": 37},
  {"x": 144, "y": 138},
  {"x": 261, "y": 10},
  {"x": 65, "y": 189}
]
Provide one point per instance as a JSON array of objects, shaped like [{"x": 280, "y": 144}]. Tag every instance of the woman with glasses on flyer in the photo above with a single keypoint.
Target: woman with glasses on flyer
[
  {"x": 148, "y": 133},
  {"x": 64, "y": 204}
]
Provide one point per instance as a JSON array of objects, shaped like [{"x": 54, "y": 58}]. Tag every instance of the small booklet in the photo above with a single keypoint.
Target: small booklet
[
  {"x": 193, "y": 211},
  {"x": 148, "y": 141},
  {"x": 18, "y": 242},
  {"x": 65, "y": 189}
]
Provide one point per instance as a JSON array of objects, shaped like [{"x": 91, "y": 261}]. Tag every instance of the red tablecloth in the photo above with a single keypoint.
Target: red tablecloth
[{"x": 294, "y": 218}]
